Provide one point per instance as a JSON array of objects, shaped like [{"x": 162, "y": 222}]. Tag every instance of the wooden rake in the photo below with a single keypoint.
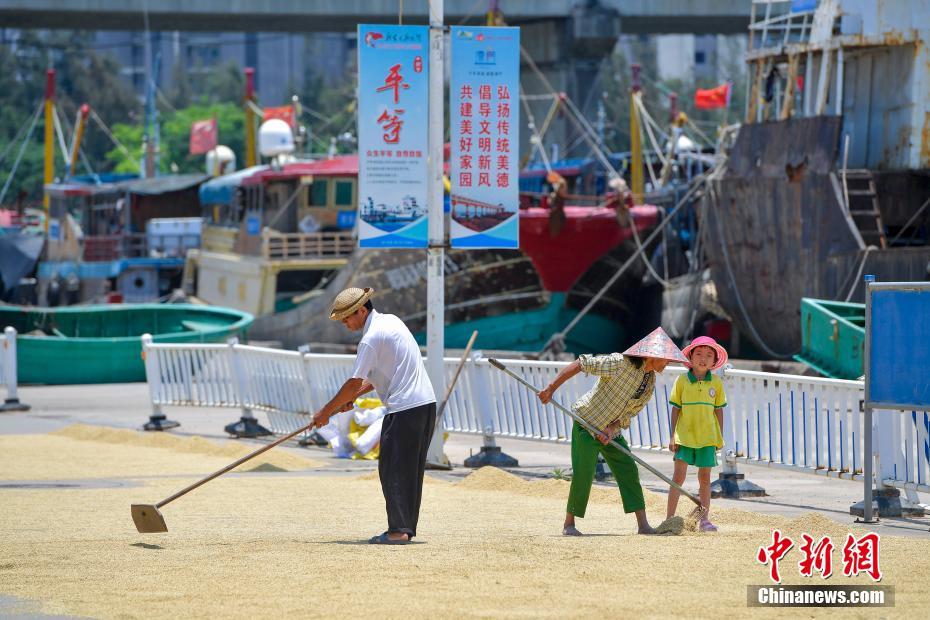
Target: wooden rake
[{"x": 148, "y": 517}]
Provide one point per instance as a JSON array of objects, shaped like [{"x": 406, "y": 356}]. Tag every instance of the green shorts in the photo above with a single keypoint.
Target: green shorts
[{"x": 699, "y": 457}]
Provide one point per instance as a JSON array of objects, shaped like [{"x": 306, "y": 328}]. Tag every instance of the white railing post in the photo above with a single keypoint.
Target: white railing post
[
  {"x": 248, "y": 425},
  {"x": 8, "y": 371},
  {"x": 481, "y": 399},
  {"x": 157, "y": 420}
]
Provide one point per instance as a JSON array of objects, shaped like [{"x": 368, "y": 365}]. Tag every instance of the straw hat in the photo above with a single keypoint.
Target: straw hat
[
  {"x": 658, "y": 345},
  {"x": 348, "y": 301},
  {"x": 707, "y": 341}
]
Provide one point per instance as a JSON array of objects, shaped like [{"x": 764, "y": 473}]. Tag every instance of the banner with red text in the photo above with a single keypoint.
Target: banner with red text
[
  {"x": 484, "y": 112},
  {"x": 393, "y": 123}
]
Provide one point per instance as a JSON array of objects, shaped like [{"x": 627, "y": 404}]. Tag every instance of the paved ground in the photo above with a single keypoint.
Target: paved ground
[{"x": 126, "y": 405}]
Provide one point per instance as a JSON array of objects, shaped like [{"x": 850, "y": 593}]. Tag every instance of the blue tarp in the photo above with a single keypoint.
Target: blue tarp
[
  {"x": 102, "y": 269},
  {"x": 220, "y": 191}
]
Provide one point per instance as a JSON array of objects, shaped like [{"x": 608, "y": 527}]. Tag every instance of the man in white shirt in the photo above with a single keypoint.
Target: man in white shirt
[{"x": 389, "y": 362}]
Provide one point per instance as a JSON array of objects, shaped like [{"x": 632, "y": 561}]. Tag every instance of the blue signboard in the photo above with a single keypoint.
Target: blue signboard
[
  {"x": 393, "y": 103},
  {"x": 253, "y": 225},
  {"x": 898, "y": 353},
  {"x": 345, "y": 219},
  {"x": 484, "y": 113}
]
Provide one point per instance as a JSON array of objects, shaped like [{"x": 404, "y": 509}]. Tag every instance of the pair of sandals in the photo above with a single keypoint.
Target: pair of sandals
[{"x": 383, "y": 539}]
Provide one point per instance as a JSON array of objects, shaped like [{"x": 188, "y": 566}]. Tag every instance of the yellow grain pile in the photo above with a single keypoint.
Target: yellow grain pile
[
  {"x": 490, "y": 546},
  {"x": 85, "y": 451}
]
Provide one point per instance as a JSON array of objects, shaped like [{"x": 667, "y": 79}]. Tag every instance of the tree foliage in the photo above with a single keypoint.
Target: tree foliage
[
  {"x": 173, "y": 152},
  {"x": 82, "y": 76}
]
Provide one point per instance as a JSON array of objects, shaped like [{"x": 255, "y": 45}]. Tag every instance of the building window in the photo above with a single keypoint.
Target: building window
[
  {"x": 343, "y": 193},
  {"x": 318, "y": 194},
  {"x": 700, "y": 58}
]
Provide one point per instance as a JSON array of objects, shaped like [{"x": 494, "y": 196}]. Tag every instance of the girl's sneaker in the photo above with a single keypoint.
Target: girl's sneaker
[{"x": 707, "y": 526}]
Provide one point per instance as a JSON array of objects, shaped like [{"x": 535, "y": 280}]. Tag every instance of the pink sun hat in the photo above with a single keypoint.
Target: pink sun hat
[
  {"x": 658, "y": 345},
  {"x": 706, "y": 341}
]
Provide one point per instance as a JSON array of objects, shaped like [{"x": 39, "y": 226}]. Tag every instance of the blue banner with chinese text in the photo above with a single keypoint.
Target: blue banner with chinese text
[
  {"x": 484, "y": 113},
  {"x": 393, "y": 98}
]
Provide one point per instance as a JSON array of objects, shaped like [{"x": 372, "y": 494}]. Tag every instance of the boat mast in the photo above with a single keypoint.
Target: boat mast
[
  {"x": 636, "y": 143},
  {"x": 49, "y": 141},
  {"x": 249, "y": 117},
  {"x": 78, "y": 137}
]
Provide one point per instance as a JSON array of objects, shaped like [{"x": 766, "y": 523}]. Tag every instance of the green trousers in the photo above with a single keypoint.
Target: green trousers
[{"x": 585, "y": 449}]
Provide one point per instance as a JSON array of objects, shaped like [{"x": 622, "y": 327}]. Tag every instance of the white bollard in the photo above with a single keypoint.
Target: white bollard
[{"x": 8, "y": 368}]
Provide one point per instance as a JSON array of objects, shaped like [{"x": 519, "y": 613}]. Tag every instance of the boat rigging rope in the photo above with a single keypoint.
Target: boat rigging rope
[
  {"x": 855, "y": 282},
  {"x": 721, "y": 241},
  {"x": 588, "y": 132},
  {"x": 61, "y": 136},
  {"x": 910, "y": 221},
  {"x": 652, "y": 139},
  {"x": 106, "y": 130},
  {"x": 557, "y": 340},
  {"x": 22, "y": 149},
  {"x": 536, "y": 139},
  {"x": 16, "y": 139}
]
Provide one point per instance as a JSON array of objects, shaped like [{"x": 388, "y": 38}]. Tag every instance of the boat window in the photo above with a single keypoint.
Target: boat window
[
  {"x": 343, "y": 193},
  {"x": 319, "y": 194}
]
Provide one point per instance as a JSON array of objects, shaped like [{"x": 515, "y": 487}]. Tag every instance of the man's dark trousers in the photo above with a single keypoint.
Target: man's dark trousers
[{"x": 405, "y": 439}]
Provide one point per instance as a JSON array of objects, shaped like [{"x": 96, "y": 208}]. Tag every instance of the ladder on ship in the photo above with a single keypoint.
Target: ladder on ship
[{"x": 862, "y": 203}]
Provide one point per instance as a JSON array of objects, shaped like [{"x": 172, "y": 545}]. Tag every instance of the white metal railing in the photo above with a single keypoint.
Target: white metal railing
[
  {"x": 798, "y": 423},
  {"x": 8, "y": 371},
  {"x": 903, "y": 449}
]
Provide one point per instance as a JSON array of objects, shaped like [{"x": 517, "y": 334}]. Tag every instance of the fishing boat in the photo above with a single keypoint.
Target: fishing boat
[
  {"x": 102, "y": 344},
  {"x": 828, "y": 177}
]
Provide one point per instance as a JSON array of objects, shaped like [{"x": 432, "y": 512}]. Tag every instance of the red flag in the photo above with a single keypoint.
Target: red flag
[
  {"x": 712, "y": 98},
  {"x": 203, "y": 136},
  {"x": 285, "y": 113}
]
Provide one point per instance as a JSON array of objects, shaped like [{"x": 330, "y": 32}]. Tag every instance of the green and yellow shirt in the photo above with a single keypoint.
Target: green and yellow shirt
[{"x": 697, "y": 425}]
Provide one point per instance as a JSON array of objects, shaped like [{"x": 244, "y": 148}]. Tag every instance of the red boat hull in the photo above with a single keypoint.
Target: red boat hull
[{"x": 587, "y": 234}]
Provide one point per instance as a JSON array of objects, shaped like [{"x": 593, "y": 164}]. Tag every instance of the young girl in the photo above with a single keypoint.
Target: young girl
[{"x": 697, "y": 401}]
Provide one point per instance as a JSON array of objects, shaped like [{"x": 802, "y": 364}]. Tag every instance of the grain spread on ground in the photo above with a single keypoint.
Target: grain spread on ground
[
  {"x": 294, "y": 545},
  {"x": 87, "y": 451}
]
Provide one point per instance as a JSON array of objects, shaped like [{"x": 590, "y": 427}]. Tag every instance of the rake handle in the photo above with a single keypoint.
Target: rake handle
[
  {"x": 455, "y": 377},
  {"x": 233, "y": 465},
  {"x": 594, "y": 431}
]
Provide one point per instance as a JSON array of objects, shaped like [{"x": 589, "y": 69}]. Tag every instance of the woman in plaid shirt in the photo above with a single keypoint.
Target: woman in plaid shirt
[{"x": 625, "y": 384}]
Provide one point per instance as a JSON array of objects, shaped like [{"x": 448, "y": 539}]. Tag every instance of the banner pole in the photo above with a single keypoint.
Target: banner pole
[{"x": 435, "y": 283}]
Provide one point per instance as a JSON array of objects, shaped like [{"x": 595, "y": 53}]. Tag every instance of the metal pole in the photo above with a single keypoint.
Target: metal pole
[
  {"x": 636, "y": 149},
  {"x": 250, "y": 158},
  {"x": 49, "y": 167},
  {"x": 868, "y": 457},
  {"x": 435, "y": 293},
  {"x": 867, "y": 516}
]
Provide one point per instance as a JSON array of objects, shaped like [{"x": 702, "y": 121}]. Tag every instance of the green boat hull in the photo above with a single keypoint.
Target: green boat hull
[
  {"x": 530, "y": 330},
  {"x": 832, "y": 337},
  {"x": 103, "y": 344}
]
